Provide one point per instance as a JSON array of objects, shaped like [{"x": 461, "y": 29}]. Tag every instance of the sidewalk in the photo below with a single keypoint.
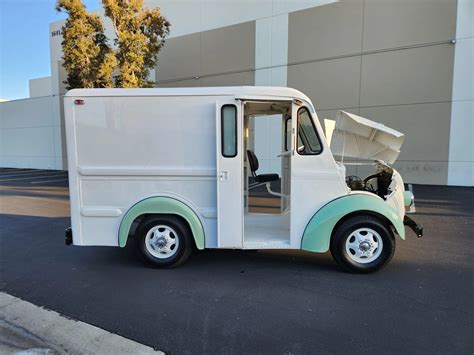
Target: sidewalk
[{"x": 29, "y": 329}]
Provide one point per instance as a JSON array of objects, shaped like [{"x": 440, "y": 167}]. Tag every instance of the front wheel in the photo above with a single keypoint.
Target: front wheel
[
  {"x": 363, "y": 244},
  {"x": 164, "y": 241}
]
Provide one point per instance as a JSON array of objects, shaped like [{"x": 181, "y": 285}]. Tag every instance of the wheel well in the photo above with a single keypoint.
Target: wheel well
[
  {"x": 138, "y": 220},
  {"x": 381, "y": 217}
]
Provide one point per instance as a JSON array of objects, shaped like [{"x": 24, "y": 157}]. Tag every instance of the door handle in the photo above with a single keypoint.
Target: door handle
[{"x": 223, "y": 175}]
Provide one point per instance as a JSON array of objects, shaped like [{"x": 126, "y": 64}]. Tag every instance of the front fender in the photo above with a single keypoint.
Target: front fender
[
  {"x": 162, "y": 205},
  {"x": 318, "y": 232}
]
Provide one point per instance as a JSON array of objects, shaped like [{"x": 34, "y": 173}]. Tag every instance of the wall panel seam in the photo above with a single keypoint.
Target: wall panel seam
[{"x": 430, "y": 44}]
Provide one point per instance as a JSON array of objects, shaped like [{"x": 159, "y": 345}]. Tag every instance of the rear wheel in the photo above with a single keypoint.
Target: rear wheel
[
  {"x": 363, "y": 244},
  {"x": 164, "y": 241}
]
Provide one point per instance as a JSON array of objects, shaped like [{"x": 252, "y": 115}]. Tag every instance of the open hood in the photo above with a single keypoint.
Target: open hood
[{"x": 357, "y": 137}]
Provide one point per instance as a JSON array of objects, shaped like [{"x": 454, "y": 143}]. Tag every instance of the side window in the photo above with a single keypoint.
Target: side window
[
  {"x": 229, "y": 131},
  {"x": 308, "y": 140}
]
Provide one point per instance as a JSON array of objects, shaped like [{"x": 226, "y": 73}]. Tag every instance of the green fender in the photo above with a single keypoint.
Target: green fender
[
  {"x": 162, "y": 205},
  {"x": 317, "y": 234}
]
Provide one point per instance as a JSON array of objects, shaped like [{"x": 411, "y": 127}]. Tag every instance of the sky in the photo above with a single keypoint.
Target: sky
[{"x": 24, "y": 43}]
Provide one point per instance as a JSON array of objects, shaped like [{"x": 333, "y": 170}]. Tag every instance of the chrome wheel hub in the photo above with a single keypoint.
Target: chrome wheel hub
[
  {"x": 364, "y": 245},
  {"x": 162, "y": 241}
]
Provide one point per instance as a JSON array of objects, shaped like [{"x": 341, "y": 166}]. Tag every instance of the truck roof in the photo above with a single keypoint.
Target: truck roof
[{"x": 239, "y": 92}]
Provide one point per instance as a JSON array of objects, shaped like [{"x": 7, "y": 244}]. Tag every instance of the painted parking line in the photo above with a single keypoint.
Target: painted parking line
[
  {"x": 31, "y": 177},
  {"x": 46, "y": 181}
]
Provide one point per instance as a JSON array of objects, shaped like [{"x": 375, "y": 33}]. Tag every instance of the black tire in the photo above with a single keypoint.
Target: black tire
[
  {"x": 179, "y": 230},
  {"x": 344, "y": 231}
]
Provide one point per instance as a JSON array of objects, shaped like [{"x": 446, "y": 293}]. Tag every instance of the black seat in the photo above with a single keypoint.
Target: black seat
[{"x": 253, "y": 161}]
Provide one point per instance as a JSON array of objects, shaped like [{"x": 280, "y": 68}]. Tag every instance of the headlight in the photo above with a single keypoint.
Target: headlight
[{"x": 408, "y": 198}]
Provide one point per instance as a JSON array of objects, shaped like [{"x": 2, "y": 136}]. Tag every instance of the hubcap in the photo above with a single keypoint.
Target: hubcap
[
  {"x": 162, "y": 241},
  {"x": 364, "y": 245}
]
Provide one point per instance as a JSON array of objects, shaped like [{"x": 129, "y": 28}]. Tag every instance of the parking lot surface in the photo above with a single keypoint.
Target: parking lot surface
[{"x": 233, "y": 302}]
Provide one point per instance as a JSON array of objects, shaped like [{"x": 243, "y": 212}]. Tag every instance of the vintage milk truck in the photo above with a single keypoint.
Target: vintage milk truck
[{"x": 177, "y": 169}]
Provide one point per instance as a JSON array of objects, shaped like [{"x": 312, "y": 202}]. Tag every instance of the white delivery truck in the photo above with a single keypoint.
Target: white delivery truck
[{"x": 176, "y": 168}]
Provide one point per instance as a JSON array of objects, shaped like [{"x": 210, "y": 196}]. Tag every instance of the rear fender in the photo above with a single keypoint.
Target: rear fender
[{"x": 162, "y": 205}]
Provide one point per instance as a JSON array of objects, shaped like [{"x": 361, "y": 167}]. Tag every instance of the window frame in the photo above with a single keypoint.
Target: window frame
[
  {"x": 315, "y": 130},
  {"x": 235, "y": 130}
]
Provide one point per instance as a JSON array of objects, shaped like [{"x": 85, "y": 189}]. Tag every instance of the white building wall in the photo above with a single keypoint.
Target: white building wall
[
  {"x": 40, "y": 87},
  {"x": 461, "y": 142},
  {"x": 30, "y": 134}
]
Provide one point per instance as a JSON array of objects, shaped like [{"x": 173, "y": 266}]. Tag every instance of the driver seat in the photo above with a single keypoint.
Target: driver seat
[{"x": 253, "y": 162}]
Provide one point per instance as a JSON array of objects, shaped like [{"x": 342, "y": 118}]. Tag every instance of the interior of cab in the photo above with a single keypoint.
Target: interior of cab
[{"x": 267, "y": 174}]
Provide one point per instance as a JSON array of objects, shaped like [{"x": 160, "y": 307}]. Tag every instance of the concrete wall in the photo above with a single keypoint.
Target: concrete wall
[
  {"x": 387, "y": 60},
  {"x": 461, "y": 142},
  {"x": 40, "y": 87},
  {"x": 224, "y": 56},
  {"x": 31, "y": 134}
]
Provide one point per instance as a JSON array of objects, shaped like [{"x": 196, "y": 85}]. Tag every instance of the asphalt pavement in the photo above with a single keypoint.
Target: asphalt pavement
[{"x": 234, "y": 302}]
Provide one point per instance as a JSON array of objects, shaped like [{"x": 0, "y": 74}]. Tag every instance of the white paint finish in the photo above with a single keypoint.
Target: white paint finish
[
  {"x": 286, "y": 6},
  {"x": 275, "y": 76},
  {"x": 121, "y": 192},
  {"x": 262, "y": 77},
  {"x": 58, "y": 140},
  {"x": 279, "y": 40},
  {"x": 461, "y": 147},
  {"x": 275, "y": 146},
  {"x": 106, "y": 123},
  {"x": 100, "y": 212},
  {"x": 463, "y": 77},
  {"x": 141, "y": 171},
  {"x": 33, "y": 162},
  {"x": 55, "y": 53},
  {"x": 267, "y": 143},
  {"x": 230, "y": 200},
  {"x": 267, "y": 231},
  {"x": 461, "y": 173},
  {"x": 239, "y": 92},
  {"x": 262, "y": 138},
  {"x": 30, "y": 135},
  {"x": 29, "y": 141},
  {"x": 184, "y": 15},
  {"x": 40, "y": 87},
  {"x": 279, "y": 76},
  {"x": 465, "y": 19},
  {"x": 120, "y": 142},
  {"x": 315, "y": 180},
  {"x": 220, "y": 13},
  {"x": 263, "y": 43},
  {"x": 461, "y": 143},
  {"x": 25, "y": 113}
]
